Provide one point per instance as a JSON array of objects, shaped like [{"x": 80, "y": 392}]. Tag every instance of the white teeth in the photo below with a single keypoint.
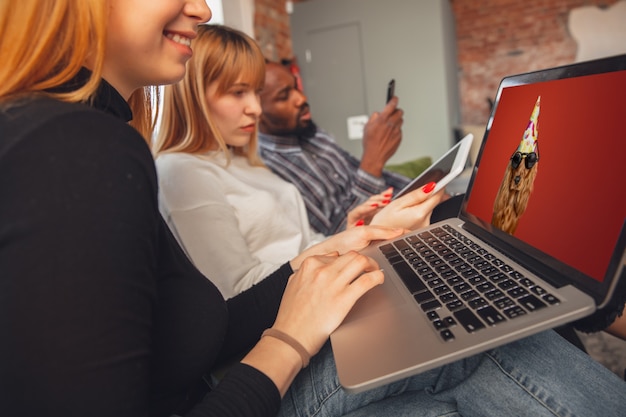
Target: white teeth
[{"x": 179, "y": 39}]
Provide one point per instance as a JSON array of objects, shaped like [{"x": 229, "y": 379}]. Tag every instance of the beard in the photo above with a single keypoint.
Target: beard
[{"x": 306, "y": 129}]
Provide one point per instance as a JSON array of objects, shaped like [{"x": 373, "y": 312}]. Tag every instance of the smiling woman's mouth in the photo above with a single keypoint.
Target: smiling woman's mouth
[{"x": 183, "y": 40}]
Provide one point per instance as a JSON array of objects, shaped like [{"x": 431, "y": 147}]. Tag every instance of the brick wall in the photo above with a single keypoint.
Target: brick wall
[
  {"x": 494, "y": 38},
  {"x": 272, "y": 31},
  {"x": 500, "y": 37}
]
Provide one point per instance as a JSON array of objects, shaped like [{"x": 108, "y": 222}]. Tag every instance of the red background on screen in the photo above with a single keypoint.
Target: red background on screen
[{"x": 578, "y": 204}]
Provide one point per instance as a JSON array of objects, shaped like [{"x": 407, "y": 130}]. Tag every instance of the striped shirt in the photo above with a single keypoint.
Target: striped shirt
[{"x": 328, "y": 177}]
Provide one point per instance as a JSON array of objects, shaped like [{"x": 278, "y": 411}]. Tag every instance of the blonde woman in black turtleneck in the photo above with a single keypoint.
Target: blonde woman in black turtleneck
[{"x": 101, "y": 312}]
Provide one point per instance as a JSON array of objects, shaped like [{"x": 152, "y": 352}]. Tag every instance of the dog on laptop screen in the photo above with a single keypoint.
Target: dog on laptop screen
[{"x": 517, "y": 184}]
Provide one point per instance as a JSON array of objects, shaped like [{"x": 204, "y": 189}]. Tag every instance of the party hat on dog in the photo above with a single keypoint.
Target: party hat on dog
[{"x": 529, "y": 139}]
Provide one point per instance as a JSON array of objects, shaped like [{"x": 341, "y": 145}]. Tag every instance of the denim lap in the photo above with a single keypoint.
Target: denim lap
[{"x": 541, "y": 375}]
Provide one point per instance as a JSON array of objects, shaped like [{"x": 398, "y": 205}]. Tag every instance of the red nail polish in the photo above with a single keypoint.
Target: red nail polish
[
  {"x": 386, "y": 201},
  {"x": 388, "y": 195},
  {"x": 428, "y": 187},
  {"x": 360, "y": 222},
  {"x": 374, "y": 205}
]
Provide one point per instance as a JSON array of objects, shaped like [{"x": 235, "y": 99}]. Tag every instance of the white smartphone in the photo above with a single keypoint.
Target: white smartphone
[{"x": 444, "y": 169}]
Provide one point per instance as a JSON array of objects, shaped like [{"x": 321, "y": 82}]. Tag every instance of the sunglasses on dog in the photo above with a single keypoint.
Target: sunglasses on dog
[{"x": 530, "y": 159}]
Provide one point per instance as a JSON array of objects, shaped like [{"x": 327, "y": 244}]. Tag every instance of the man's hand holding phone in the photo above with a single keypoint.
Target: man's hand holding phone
[{"x": 382, "y": 135}]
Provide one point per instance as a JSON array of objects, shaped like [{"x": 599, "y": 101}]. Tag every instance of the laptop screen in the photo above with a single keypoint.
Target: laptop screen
[{"x": 551, "y": 171}]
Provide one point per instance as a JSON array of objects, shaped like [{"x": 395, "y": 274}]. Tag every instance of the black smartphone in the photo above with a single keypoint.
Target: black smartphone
[{"x": 391, "y": 89}]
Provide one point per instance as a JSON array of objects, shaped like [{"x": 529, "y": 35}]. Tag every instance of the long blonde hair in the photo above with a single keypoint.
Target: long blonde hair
[
  {"x": 220, "y": 54},
  {"x": 44, "y": 45}
]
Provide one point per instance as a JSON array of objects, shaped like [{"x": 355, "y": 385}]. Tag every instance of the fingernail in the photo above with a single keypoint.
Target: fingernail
[
  {"x": 386, "y": 201},
  {"x": 360, "y": 223},
  {"x": 374, "y": 205},
  {"x": 428, "y": 187},
  {"x": 388, "y": 195}
]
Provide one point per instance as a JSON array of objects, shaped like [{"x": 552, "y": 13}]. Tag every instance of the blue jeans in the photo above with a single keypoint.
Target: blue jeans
[{"x": 541, "y": 375}]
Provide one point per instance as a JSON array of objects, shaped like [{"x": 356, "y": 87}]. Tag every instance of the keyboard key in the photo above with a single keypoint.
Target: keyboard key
[
  {"x": 526, "y": 282},
  {"x": 433, "y": 257},
  {"x": 490, "y": 315},
  {"x": 469, "y": 295},
  {"x": 408, "y": 276},
  {"x": 531, "y": 302},
  {"x": 439, "y": 247},
  {"x": 439, "y": 325},
  {"x": 517, "y": 292},
  {"x": 482, "y": 264},
  {"x": 423, "y": 296},
  {"x": 454, "y": 280},
  {"x": 430, "y": 305},
  {"x": 489, "y": 270},
  {"x": 514, "y": 312},
  {"x": 468, "y": 320},
  {"x": 470, "y": 273},
  {"x": 447, "y": 335},
  {"x": 413, "y": 259},
  {"x": 538, "y": 290},
  {"x": 503, "y": 303},
  {"x": 448, "y": 297},
  {"x": 477, "y": 279},
  {"x": 444, "y": 269},
  {"x": 388, "y": 248},
  {"x": 443, "y": 289},
  {"x": 424, "y": 270},
  {"x": 550, "y": 299},
  {"x": 437, "y": 262},
  {"x": 449, "y": 321},
  {"x": 428, "y": 276},
  {"x": 477, "y": 303},
  {"x": 484, "y": 287},
  {"x": 507, "y": 284},
  {"x": 394, "y": 258},
  {"x": 401, "y": 244},
  {"x": 449, "y": 274},
  {"x": 435, "y": 282},
  {"x": 456, "y": 261},
  {"x": 494, "y": 294},
  {"x": 497, "y": 277},
  {"x": 463, "y": 267},
  {"x": 516, "y": 275},
  {"x": 455, "y": 305},
  {"x": 474, "y": 259},
  {"x": 432, "y": 315}
]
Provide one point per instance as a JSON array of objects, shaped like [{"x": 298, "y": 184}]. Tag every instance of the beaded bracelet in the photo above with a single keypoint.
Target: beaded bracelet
[{"x": 284, "y": 337}]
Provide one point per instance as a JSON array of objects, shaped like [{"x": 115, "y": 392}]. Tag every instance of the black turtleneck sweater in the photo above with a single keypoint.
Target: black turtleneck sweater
[{"x": 101, "y": 313}]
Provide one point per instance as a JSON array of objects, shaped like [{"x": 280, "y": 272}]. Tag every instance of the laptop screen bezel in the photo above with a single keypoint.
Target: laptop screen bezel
[{"x": 549, "y": 268}]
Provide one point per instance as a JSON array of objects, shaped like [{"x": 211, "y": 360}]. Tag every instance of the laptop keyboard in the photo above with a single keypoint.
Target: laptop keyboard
[{"x": 442, "y": 267}]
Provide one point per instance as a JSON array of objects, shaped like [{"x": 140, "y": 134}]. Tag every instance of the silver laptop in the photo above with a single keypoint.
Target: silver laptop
[{"x": 540, "y": 239}]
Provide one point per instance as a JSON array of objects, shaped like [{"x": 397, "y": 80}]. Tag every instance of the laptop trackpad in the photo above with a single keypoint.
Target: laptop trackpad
[{"x": 381, "y": 298}]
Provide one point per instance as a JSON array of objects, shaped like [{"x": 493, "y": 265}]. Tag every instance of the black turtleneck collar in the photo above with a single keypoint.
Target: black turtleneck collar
[{"x": 106, "y": 98}]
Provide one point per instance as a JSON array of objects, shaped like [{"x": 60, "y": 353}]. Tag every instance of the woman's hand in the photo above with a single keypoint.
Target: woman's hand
[
  {"x": 321, "y": 293},
  {"x": 353, "y": 239},
  {"x": 364, "y": 212},
  {"x": 411, "y": 211},
  {"x": 316, "y": 300}
]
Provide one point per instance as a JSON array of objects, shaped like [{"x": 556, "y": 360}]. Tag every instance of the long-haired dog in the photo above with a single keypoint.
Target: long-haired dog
[{"x": 517, "y": 184}]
